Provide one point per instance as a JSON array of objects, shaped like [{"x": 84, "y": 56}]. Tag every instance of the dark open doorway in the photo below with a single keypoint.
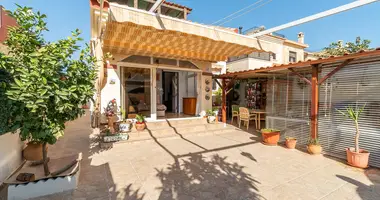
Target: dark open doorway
[{"x": 170, "y": 90}]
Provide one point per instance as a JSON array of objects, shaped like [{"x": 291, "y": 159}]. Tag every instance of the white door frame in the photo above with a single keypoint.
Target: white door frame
[{"x": 153, "y": 84}]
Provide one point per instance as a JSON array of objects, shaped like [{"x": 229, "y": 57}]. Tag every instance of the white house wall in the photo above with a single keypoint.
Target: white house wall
[
  {"x": 10, "y": 153},
  {"x": 111, "y": 91},
  {"x": 206, "y": 104}
]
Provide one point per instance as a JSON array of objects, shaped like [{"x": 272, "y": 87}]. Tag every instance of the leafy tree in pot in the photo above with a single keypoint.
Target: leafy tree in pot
[{"x": 47, "y": 85}]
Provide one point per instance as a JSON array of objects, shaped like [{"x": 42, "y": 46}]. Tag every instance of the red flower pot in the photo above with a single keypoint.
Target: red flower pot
[
  {"x": 140, "y": 126},
  {"x": 359, "y": 160},
  {"x": 270, "y": 138},
  {"x": 291, "y": 143}
]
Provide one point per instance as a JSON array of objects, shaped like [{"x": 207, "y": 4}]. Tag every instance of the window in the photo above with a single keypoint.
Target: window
[
  {"x": 292, "y": 56},
  {"x": 273, "y": 56}
]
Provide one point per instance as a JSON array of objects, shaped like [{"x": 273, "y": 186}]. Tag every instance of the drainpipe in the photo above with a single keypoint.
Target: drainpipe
[{"x": 100, "y": 18}]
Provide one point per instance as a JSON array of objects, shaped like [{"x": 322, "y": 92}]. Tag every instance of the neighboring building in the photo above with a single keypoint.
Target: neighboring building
[
  {"x": 310, "y": 56},
  {"x": 280, "y": 51},
  {"x": 5, "y": 22},
  {"x": 10, "y": 144},
  {"x": 159, "y": 59}
]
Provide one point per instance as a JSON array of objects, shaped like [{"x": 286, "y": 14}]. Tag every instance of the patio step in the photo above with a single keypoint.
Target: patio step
[{"x": 159, "y": 130}]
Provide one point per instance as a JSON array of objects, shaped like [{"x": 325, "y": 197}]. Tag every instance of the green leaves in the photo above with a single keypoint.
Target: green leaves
[
  {"x": 352, "y": 113},
  {"x": 45, "y": 87},
  {"x": 339, "y": 48}
]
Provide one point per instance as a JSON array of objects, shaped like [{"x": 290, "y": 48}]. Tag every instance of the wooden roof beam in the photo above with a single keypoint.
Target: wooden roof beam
[
  {"x": 300, "y": 76},
  {"x": 346, "y": 62}
]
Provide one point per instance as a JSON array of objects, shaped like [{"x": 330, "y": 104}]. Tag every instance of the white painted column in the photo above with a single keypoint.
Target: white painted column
[
  {"x": 199, "y": 93},
  {"x": 153, "y": 98}
]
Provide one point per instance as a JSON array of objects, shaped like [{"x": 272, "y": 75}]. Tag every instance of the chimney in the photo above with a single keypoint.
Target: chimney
[
  {"x": 240, "y": 29},
  {"x": 301, "y": 37}
]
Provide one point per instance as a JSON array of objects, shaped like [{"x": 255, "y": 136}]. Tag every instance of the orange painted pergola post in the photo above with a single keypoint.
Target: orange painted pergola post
[
  {"x": 224, "y": 109},
  {"x": 314, "y": 102}
]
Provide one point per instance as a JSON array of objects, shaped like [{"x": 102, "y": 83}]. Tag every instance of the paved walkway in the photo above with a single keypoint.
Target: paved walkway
[{"x": 226, "y": 166}]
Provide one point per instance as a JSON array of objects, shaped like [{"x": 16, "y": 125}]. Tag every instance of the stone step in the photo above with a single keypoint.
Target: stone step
[
  {"x": 162, "y": 130},
  {"x": 186, "y": 122},
  {"x": 176, "y": 123},
  {"x": 157, "y": 125}
]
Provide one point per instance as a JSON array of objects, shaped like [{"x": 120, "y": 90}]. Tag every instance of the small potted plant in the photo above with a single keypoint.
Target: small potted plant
[
  {"x": 290, "y": 142},
  {"x": 355, "y": 156},
  {"x": 270, "y": 136},
  {"x": 110, "y": 111},
  {"x": 124, "y": 125},
  {"x": 140, "y": 122},
  {"x": 211, "y": 116},
  {"x": 314, "y": 147}
]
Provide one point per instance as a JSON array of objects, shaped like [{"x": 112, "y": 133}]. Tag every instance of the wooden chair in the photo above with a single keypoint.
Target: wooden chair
[
  {"x": 235, "y": 113},
  {"x": 246, "y": 116}
]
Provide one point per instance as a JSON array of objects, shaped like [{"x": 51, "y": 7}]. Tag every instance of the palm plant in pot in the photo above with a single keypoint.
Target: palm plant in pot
[
  {"x": 355, "y": 156},
  {"x": 270, "y": 136},
  {"x": 140, "y": 122}
]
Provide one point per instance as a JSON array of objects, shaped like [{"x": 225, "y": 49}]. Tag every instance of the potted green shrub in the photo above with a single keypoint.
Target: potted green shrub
[
  {"x": 124, "y": 125},
  {"x": 211, "y": 116},
  {"x": 270, "y": 136},
  {"x": 355, "y": 156},
  {"x": 49, "y": 83},
  {"x": 290, "y": 142},
  {"x": 140, "y": 122},
  {"x": 314, "y": 147}
]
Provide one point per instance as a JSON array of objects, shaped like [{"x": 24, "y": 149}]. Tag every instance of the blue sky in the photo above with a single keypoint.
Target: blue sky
[{"x": 67, "y": 15}]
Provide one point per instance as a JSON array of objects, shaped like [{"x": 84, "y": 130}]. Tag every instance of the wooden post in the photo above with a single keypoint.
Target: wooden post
[
  {"x": 224, "y": 113},
  {"x": 314, "y": 102}
]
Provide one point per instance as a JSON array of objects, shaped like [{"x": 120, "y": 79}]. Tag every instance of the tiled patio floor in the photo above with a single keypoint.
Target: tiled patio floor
[{"x": 226, "y": 166}]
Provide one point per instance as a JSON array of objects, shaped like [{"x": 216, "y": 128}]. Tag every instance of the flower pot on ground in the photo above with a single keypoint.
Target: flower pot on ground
[
  {"x": 314, "y": 147},
  {"x": 124, "y": 126},
  {"x": 33, "y": 151},
  {"x": 270, "y": 136},
  {"x": 355, "y": 157},
  {"x": 211, "y": 116},
  {"x": 290, "y": 142},
  {"x": 140, "y": 122}
]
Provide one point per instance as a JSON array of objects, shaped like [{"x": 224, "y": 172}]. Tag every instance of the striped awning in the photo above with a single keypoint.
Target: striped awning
[{"x": 130, "y": 31}]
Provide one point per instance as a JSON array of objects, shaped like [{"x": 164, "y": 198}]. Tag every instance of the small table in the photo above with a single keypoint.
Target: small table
[{"x": 258, "y": 112}]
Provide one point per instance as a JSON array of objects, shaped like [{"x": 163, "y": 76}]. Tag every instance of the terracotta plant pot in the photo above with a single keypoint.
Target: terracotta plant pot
[
  {"x": 359, "y": 160},
  {"x": 314, "y": 149},
  {"x": 140, "y": 126},
  {"x": 270, "y": 138},
  {"x": 291, "y": 143},
  {"x": 33, "y": 151}
]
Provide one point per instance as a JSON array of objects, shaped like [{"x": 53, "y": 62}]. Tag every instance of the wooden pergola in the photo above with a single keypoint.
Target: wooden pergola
[{"x": 313, "y": 66}]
